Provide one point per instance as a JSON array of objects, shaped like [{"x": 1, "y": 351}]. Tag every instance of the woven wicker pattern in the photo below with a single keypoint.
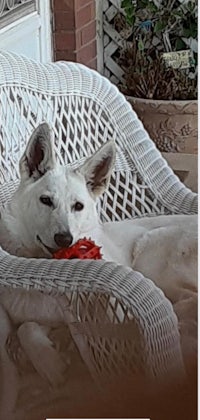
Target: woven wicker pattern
[
  {"x": 119, "y": 320},
  {"x": 119, "y": 296},
  {"x": 85, "y": 110}
]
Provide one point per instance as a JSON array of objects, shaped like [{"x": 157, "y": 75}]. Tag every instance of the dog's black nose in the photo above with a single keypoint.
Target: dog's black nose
[{"x": 63, "y": 239}]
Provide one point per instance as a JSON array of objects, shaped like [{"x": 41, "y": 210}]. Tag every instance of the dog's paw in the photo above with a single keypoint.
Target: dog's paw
[
  {"x": 62, "y": 342},
  {"x": 15, "y": 351},
  {"x": 40, "y": 351},
  {"x": 50, "y": 365}
]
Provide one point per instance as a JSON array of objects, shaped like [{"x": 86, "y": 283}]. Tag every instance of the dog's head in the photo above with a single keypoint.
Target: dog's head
[{"x": 55, "y": 204}]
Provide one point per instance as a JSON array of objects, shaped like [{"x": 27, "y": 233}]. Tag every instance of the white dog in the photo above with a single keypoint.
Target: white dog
[{"x": 55, "y": 206}]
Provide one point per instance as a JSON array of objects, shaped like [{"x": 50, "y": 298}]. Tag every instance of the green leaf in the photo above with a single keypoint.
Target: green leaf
[
  {"x": 186, "y": 32},
  {"x": 190, "y": 31},
  {"x": 140, "y": 45},
  {"x": 142, "y": 4},
  {"x": 176, "y": 13},
  {"x": 180, "y": 44},
  {"x": 159, "y": 26},
  {"x": 193, "y": 29},
  {"x": 126, "y": 3},
  {"x": 152, "y": 7},
  {"x": 130, "y": 20},
  {"x": 129, "y": 11},
  {"x": 190, "y": 6}
]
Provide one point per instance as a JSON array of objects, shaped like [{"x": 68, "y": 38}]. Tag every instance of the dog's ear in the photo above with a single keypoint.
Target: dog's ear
[
  {"x": 39, "y": 155},
  {"x": 97, "y": 169}
]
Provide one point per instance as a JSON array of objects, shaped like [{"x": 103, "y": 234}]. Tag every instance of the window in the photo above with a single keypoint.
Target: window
[{"x": 12, "y": 10}]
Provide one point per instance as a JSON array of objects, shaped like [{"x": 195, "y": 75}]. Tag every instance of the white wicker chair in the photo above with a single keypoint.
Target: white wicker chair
[{"x": 85, "y": 110}]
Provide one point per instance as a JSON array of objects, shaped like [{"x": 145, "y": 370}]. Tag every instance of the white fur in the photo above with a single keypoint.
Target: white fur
[{"x": 163, "y": 248}]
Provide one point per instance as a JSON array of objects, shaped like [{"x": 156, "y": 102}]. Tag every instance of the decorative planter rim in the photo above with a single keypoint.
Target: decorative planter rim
[
  {"x": 160, "y": 106},
  {"x": 163, "y": 101},
  {"x": 173, "y": 125}
]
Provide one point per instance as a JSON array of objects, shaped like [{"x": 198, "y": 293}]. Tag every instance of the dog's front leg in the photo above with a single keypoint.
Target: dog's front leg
[
  {"x": 9, "y": 383},
  {"x": 31, "y": 309},
  {"x": 33, "y": 305},
  {"x": 40, "y": 351}
]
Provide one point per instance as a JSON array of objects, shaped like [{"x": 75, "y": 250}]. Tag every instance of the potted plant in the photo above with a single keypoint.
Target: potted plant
[{"x": 159, "y": 61}]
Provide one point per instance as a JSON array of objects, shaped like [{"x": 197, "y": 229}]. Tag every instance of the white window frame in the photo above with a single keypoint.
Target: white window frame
[{"x": 41, "y": 18}]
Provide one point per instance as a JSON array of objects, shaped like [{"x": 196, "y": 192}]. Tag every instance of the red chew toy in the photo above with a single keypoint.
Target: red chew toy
[{"x": 83, "y": 249}]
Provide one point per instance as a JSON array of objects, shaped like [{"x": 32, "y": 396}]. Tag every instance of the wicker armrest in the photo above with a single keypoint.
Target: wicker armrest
[{"x": 130, "y": 297}]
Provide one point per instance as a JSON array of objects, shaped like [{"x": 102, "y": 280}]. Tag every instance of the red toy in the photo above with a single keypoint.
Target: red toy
[{"x": 83, "y": 249}]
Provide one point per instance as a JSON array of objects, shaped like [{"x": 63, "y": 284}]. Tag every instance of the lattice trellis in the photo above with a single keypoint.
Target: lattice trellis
[
  {"x": 171, "y": 125},
  {"x": 113, "y": 39}
]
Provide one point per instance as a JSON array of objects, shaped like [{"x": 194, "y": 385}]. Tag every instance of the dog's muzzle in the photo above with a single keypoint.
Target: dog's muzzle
[
  {"x": 45, "y": 247},
  {"x": 63, "y": 239}
]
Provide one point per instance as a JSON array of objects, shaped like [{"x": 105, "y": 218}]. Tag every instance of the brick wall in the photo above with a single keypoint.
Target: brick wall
[{"x": 74, "y": 31}]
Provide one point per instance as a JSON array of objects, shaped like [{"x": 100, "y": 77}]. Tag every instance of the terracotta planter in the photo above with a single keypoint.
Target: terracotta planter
[{"x": 172, "y": 125}]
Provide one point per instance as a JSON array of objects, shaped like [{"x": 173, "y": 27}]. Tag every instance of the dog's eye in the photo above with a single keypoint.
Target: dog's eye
[
  {"x": 78, "y": 206},
  {"x": 46, "y": 200}
]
